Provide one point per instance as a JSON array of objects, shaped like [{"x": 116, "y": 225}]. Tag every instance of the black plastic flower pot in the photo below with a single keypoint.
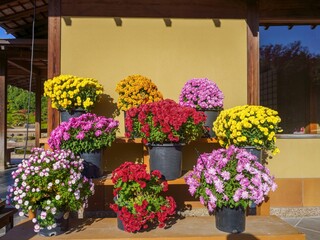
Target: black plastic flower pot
[
  {"x": 231, "y": 220},
  {"x": 167, "y": 158},
  {"x": 92, "y": 164},
  {"x": 62, "y": 225},
  {"x": 211, "y": 118}
]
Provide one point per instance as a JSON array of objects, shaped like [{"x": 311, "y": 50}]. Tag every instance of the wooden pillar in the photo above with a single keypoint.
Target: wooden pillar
[
  {"x": 253, "y": 88},
  {"x": 313, "y": 105},
  {"x": 3, "y": 109},
  {"x": 54, "y": 55},
  {"x": 39, "y": 90}
]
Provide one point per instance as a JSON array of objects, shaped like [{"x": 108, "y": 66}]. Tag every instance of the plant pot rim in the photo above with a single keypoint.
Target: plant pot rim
[
  {"x": 72, "y": 110},
  {"x": 165, "y": 144},
  {"x": 212, "y": 110}
]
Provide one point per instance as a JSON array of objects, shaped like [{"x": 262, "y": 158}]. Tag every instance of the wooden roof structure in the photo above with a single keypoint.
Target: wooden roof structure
[{"x": 16, "y": 18}]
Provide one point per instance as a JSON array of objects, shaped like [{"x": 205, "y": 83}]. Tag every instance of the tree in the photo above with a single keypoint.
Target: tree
[{"x": 18, "y": 100}]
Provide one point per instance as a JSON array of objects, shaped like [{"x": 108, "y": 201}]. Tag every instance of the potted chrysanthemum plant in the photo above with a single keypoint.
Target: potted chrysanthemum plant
[
  {"x": 72, "y": 95},
  {"x": 227, "y": 181},
  {"x": 248, "y": 126},
  {"x": 86, "y": 136},
  {"x": 50, "y": 184},
  {"x": 204, "y": 95},
  {"x": 135, "y": 90},
  {"x": 165, "y": 126},
  {"x": 138, "y": 199}
]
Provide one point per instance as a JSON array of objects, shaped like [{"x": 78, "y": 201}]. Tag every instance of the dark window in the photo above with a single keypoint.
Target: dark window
[{"x": 290, "y": 76}]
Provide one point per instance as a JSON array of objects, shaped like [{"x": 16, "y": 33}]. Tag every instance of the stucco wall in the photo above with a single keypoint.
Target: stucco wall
[
  {"x": 298, "y": 158},
  {"x": 96, "y": 47}
]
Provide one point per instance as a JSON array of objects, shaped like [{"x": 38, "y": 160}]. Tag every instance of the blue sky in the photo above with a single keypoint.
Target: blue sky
[
  {"x": 4, "y": 35},
  {"x": 281, "y": 35}
]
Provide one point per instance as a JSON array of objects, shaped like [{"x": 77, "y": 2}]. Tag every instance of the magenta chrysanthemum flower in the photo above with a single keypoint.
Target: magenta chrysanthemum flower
[
  {"x": 94, "y": 132},
  {"x": 80, "y": 135}
]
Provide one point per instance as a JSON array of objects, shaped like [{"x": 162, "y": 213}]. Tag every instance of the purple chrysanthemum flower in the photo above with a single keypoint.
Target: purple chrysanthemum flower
[
  {"x": 202, "y": 94},
  {"x": 229, "y": 177}
]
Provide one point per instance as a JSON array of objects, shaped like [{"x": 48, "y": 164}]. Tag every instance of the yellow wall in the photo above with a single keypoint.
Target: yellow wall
[
  {"x": 96, "y": 47},
  {"x": 298, "y": 158}
]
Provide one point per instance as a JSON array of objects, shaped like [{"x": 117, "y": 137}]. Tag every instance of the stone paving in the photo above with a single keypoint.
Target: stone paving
[{"x": 305, "y": 220}]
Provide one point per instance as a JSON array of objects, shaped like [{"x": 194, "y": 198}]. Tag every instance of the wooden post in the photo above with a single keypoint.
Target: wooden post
[
  {"x": 39, "y": 90},
  {"x": 312, "y": 127},
  {"x": 3, "y": 109},
  {"x": 54, "y": 54},
  {"x": 253, "y": 87}
]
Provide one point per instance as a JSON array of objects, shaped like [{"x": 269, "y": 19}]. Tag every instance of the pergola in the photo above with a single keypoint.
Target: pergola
[{"x": 16, "y": 18}]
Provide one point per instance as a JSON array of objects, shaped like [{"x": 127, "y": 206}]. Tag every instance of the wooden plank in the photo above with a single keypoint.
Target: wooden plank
[
  {"x": 139, "y": 141},
  {"x": 22, "y": 42},
  {"x": 190, "y": 228},
  {"x": 3, "y": 109},
  {"x": 235, "y": 9},
  {"x": 106, "y": 180},
  {"x": 253, "y": 90},
  {"x": 54, "y": 56},
  {"x": 6, "y": 218}
]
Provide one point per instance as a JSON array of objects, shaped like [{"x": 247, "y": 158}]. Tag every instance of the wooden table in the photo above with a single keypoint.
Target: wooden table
[{"x": 6, "y": 218}]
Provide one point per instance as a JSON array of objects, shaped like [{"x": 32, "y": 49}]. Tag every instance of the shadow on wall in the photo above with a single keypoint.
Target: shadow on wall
[
  {"x": 106, "y": 107},
  {"x": 119, "y": 153},
  {"x": 190, "y": 153}
]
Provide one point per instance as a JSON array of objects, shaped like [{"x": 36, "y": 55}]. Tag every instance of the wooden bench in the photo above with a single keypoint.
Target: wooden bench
[
  {"x": 190, "y": 228},
  {"x": 9, "y": 150},
  {"x": 6, "y": 218}
]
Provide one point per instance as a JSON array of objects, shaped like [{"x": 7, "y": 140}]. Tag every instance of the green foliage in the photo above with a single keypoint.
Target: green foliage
[{"x": 17, "y": 107}]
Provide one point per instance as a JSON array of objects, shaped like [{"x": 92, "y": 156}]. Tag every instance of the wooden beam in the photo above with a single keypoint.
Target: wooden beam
[
  {"x": 276, "y": 21},
  {"x": 4, "y": 3},
  {"x": 3, "y": 110},
  {"x": 117, "y": 20},
  {"x": 235, "y": 9},
  {"x": 42, "y": 23},
  {"x": 25, "y": 54},
  {"x": 39, "y": 90},
  {"x": 16, "y": 72},
  {"x": 253, "y": 89},
  {"x": 22, "y": 65},
  {"x": 54, "y": 55},
  {"x": 289, "y": 9},
  {"x": 24, "y": 13},
  {"x": 167, "y": 22},
  {"x": 22, "y": 42}
]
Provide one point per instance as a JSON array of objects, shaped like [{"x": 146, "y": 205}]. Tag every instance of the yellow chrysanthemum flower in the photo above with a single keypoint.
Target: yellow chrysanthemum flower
[
  {"x": 248, "y": 125},
  {"x": 135, "y": 90},
  {"x": 70, "y": 92}
]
